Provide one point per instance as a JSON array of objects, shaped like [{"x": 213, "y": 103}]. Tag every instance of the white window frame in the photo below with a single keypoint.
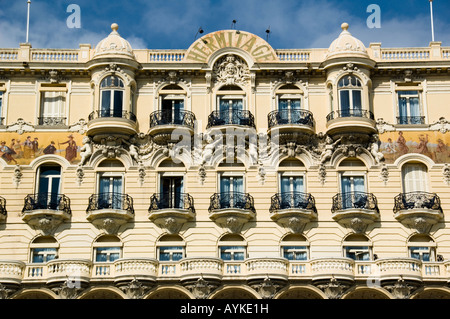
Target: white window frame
[
  {"x": 350, "y": 88},
  {"x": 291, "y": 174},
  {"x": 431, "y": 249},
  {"x": 424, "y": 181},
  {"x": 178, "y": 244},
  {"x": 116, "y": 247},
  {"x": 242, "y": 245},
  {"x": 54, "y": 246},
  {"x": 352, "y": 174},
  {"x": 398, "y": 90},
  {"x": 300, "y": 248},
  {"x": 111, "y": 90},
  {"x": 360, "y": 247}
]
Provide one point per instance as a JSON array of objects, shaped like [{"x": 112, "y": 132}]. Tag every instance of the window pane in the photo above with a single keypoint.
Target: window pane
[
  {"x": 345, "y": 102},
  {"x": 106, "y": 104},
  {"x": 357, "y": 102},
  {"x": 118, "y": 103}
]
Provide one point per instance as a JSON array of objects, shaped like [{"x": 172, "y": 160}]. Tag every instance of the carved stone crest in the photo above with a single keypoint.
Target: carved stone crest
[{"x": 231, "y": 70}]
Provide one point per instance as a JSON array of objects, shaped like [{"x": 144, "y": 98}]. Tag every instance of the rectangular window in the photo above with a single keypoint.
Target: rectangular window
[
  {"x": 232, "y": 252},
  {"x": 421, "y": 253},
  {"x": 409, "y": 111},
  {"x": 107, "y": 254},
  {"x": 170, "y": 253},
  {"x": 171, "y": 192},
  {"x": 350, "y": 186},
  {"x": 295, "y": 252},
  {"x": 232, "y": 191},
  {"x": 357, "y": 253},
  {"x": 43, "y": 255},
  {"x": 1, "y": 107},
  {"x": 110, "y": 192},
  {"x": 52, "y": 108}
]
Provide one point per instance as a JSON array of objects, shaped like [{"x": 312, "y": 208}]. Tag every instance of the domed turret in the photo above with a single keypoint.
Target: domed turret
[
  {"x": 114, "y": 46},
  {"x": 346, "y": 45}
]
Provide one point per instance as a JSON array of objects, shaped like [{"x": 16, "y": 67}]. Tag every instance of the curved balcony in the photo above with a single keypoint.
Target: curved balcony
[
  {"x": 11, "y": 272},
  {"x": 260, "y": 268},
  {"x": 206, "y": 267},
  {"x": 142, "y": 269},
  {"x": 394, "y": 268},
  {"x": 355, "y": 209},
  {"x": 231, "y": 117},
  {"x": 293, "y": 209},
  {"x": 171, "y": 210},
  {"x": 77, "y": 271},
  {"x": 3, "y": 211},
  {"x": 105, "y": 122},
  {"x": 109, "y": 211},
  {"x": 419, "y": 210},
  {"x": 327, "y": 268},
  {"x": 291, "y": 120},
  {"x": 351, "y": 121},
  {"x": 232, "y": 209},
  {"x": 163, "y": 123},
  {"x": 45, "y": 211}
]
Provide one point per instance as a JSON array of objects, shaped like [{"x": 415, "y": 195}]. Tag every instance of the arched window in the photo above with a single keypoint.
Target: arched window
[
  {"x": 232, "y": 247},
  {"x": 414, "y": 177},
  {"x": 112, "y": 93},
  {"x": 353, "y": 181},
  {"x": 232, "y": 184},
  {"x": 48, "y": 186},
  {"x": 295, "y": 247},
  {"x": 110, "y": 184},
  {"x": 172, "y": 104},
  {"x": 291, "y": 176},
  {"x": 422, "y": 247},
  {"x": 357, "y": 247},
  {"x": 170, "y": 248},
  {"x": 107, "y": 248},
  {"x": 350, "y": 96},
  {"x": 231, "y": 103},
  {"x": 43, "y": 249}
]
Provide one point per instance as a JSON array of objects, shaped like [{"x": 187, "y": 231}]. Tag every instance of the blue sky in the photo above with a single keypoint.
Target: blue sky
[{"x": 173, "y": 24}]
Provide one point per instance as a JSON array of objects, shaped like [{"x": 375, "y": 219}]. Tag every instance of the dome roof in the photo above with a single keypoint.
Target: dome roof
[
  {"x": 113, "y": 45},
  {"x": 346, "y": 45}
]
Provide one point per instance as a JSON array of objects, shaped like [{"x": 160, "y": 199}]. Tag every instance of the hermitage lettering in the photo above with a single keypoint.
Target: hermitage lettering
[{"x": 203, "y": 48}]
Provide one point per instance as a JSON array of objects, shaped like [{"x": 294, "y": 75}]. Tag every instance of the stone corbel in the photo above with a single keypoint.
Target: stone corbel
[
  {"x": 442, "y": 126},
  {"x": 17, "y": 175},
  {"x": 135, "y": 289}
]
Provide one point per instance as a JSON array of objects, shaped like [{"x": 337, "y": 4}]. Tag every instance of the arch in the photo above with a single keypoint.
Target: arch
[
  {"x": 50, "y": 159},
  {"x": 355, "y": 237},
  {"x": 41, "y": 293},
  {"x": 182, "y": 86},
  {"x": 103, "y": 293},
  {"x": 235, "y": 292},
  {"x": 216, "y": 56},
  {"x": 300, "y": 292},
  {"x": 432, "y": 293},
  {"x": 293, "y": 237},
  {"x": 301, "y": 86},
  {"x": 278, "y": 157},
  {"x": 240, "y": 162},
  {"x": 170, "y": 237},
  {"x": 364, "y": 292},
  {"x": 364, "y": 156},
  {"x": 232, "y": 237},
  {"x": 98, "y": 157},
  {"x": 161, "y": 154},
  {"x": 173, "y": 292},
  {"x": 414, "y": 157}
]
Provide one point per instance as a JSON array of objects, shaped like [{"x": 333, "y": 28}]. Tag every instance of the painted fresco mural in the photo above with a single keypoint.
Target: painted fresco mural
[
  {"x": 432, "y": 144},
  {"x": 23, "y": 149}
]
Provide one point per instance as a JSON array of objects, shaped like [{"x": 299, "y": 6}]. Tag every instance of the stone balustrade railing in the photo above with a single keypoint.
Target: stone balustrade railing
[
  {"x": 9, "y": 54},
  {"x": 25, "y": 53},
  {"x": 191, "y": 268}
]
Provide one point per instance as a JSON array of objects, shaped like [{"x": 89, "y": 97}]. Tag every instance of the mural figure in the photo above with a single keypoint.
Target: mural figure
[
  {"x": 71, "y": 149},
  {"x": 401, "y": 144},
  {"x": 50, "y": 149},
  {"x": 7, "y": 153}
]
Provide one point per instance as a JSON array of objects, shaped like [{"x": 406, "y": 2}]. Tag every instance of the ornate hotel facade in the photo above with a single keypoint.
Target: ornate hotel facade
[{"x": 227, "y": 170}]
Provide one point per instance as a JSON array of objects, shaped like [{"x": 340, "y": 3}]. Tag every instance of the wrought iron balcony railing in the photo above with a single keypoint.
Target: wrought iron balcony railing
[
  {"x": 3, "y": 206},
  {"x": 411, "y": 120},
  {"x": 358, "y": 200},
  {"x": 413, "y": 200},
  {"x": 350, "y": 113},
  {"x": 291, "y": 116},
  {"x": 182, "y": 118},
  {"x": 231, "y": 117},
  {"x": 292, "y": 200},
  {"x": 235, "y": 200},
  {"x": 110, "y": 201},
  {"x": 112, "y": 113},
  {"x": 52, "y": 121},
  {"x": 168, "y": 200},
  {"x": 51, "y": 201}
]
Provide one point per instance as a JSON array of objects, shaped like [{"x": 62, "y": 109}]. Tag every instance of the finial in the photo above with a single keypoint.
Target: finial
[
  {"x": 114, "y": 27},
  {"x": 344, "y": 26}
]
